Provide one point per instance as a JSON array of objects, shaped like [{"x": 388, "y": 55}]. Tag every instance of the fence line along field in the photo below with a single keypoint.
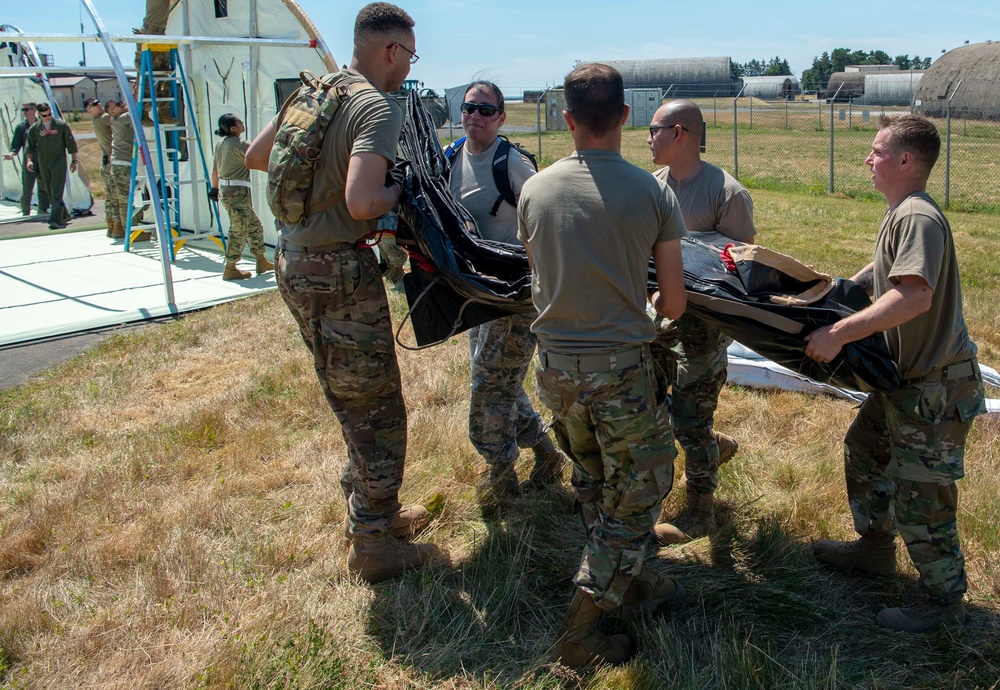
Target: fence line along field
[{"x": 171, "y": 516}]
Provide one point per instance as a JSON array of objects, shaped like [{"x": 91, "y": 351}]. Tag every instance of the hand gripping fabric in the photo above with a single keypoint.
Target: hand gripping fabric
[{"x": 303, "y": 122}]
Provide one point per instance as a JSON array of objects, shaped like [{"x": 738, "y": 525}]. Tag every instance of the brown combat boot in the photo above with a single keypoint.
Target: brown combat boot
[
  {"x": 579, "y": 645},
  {"x": 383, "y": 557},
  {"x": 648, "y": 591},
  {"x": 164, "y": 115},
  {"x": 117, "y": 230},
  {"x": 409, "y": 521},
  {"x": 263, "y": 265},
  {"x": 231, "y": 272},
  {"x": 548, "y": 465},
  {"x": 873, "y": 554},
  {"x": 697, "y": 521},
  {"x": 727, "y": 449},
  {"x": 922, "y": 617}
]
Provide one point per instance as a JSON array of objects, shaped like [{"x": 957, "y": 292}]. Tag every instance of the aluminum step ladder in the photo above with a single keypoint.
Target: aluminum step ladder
[{"x": 169, "y": 146}]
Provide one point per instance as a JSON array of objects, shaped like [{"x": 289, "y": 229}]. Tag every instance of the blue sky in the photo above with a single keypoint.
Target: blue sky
[{"x": 521, "y": 44}]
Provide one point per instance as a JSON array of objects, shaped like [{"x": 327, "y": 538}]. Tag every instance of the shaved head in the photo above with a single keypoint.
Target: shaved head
[{"x": 683, "y": 112}]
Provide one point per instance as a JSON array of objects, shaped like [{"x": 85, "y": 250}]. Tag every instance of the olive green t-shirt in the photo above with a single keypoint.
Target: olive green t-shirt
[
  {"x": 102, "y": 128},
  {"x": 368, "y": 122},
  {"x": 915, "y": 240},
  {"x": 122, "y": 138},
  {"x": 590, "y": 221},
  {"x": 231, "y": 159},
  {"x": 713, "y": 201}
]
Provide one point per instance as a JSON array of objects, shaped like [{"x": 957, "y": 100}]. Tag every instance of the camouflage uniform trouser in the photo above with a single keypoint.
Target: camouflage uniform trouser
[
  {"x": 112, "y": 200},
  {"x": 338, "y": 300},
  {"x": 501, "y": 418},
  {"x": 693, "y": 355},
  {"x": 52, "y": 181},
  {"x": 902, "y": 456},
  {"x": 244, "y": 225},
  {"x": 121, "y": 179},
  {"x": 615, "y": 426}
]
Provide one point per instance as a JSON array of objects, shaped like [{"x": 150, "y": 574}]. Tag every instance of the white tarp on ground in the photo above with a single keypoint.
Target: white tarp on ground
[
  {"x": 14, "y": 91},
  {"x": 69, "y": 282},
  {"x": 250, "y": 81},
  {"x": 747, "y": 368}
]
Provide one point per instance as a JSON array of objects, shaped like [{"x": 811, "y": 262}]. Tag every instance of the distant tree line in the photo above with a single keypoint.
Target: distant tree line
[
  {"x": 775, "y": 67},
  {"x": 826, "y": 64}
]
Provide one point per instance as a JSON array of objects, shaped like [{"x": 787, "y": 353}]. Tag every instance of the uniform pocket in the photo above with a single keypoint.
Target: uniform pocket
[{"x": 361, "y": 359}]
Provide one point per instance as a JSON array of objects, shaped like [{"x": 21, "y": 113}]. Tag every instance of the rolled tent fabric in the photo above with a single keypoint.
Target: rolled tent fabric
[{"x": 765, "y": 300}]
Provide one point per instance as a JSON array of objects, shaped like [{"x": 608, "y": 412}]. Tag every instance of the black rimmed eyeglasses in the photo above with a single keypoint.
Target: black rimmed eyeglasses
[
  {"x": 413, "y": 56},
  {"x": 654, "y": 128},
  {"x": 485, "y": 109}
]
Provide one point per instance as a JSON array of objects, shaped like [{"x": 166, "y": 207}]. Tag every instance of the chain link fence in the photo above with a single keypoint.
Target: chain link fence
[{"x": 803, "y": 143}]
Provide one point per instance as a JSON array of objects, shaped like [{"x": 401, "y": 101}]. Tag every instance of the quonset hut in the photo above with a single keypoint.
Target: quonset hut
[
  {"x": 890, "y": 88},
  {"x": 678, "y": 77},
  {"x": 773, "y": 88},
  {"x": 977, "y": 67},
  {"x": 845, "y": 86}
]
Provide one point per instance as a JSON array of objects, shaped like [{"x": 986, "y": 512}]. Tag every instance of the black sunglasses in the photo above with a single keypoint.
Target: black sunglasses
[
  {"x": 26, "y": 110},
  {"x": 485, "y": 109}
]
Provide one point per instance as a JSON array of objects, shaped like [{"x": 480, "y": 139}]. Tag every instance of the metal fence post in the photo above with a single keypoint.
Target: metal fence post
[
  {"x": 833, "y": 101},
  {"x": 736, "y": 138},
  {"x": 947, "y": 149},
  {"x": 538, "y": 104}
]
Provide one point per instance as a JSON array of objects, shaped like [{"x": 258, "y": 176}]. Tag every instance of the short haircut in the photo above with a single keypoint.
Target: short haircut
[
  {"x": 29, "y": 104},
  {"x": 915, "y": 134},
  {"x": 595, "y": 95},
  {"x": 381, "y": 19},
  {"x": 42, "y": 106},
  {"x": 89, "y": 102},
  {"x": 110, "y": 102},
  {"x": 487, "y": 86}
]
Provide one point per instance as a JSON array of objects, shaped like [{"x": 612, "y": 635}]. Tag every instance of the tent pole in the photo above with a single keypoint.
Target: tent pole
[{"x": 140, "y": 137}]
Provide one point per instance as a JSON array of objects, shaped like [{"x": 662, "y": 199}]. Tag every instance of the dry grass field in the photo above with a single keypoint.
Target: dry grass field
[{"x": 170, "y": 517}]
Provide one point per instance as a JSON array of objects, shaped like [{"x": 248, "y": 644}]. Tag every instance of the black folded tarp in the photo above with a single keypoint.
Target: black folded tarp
[{"x": 767, "y": 302}]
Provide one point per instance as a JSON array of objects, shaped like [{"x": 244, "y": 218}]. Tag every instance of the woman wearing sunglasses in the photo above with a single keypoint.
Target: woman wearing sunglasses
[{"x": 501, "y": 417}]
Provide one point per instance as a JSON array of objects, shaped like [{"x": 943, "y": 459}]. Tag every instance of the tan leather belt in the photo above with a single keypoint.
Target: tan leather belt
[{"x": 591, "y": 364}]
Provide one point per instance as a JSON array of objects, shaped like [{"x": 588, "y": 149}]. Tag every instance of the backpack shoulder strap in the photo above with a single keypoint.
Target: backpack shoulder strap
[{"x": 501, "y": 176}]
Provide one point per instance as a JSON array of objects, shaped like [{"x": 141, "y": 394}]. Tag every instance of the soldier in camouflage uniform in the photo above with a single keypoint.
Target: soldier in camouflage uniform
[
  {"x": 229, "y": 169},
  {"x": 102, "y": 129},
  {"x": 502, "y": 419},
  {"x": 906, "y": 448},
  {"x": 717, "y": 209},
  {"x": 122, "y": 141},
  {"x": 594, "y": 368},
  {"x": 330, "y": 282}
]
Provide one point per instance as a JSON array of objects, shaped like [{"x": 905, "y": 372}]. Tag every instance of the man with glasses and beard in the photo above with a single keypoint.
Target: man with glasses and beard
[
  {"x": 49, "y": 140},
  {"x": 501, "y": 417},
  {"x": 19, "y": 143}
]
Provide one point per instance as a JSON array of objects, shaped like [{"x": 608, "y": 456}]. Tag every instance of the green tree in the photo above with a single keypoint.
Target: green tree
[
  {"x": 818, "y": 75},
  {"x": 777, "y": 67}
]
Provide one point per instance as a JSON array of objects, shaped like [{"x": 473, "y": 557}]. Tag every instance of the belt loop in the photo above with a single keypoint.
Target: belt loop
[{"x": 612, "y": 362}]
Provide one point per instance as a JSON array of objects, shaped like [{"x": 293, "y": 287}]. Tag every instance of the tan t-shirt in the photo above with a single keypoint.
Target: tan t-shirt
[
  {"x": 368, "y": 122},
  {"x": 713, "y": 201},
  {"x": 102, "y": 128},
  {"x": 473, "y": 185},
  {"x": 915, "y": 240},
  {"x": 122, "y": 138},
  {"x": 590, "y": 221},
  {"x": 231, "y": 159}
]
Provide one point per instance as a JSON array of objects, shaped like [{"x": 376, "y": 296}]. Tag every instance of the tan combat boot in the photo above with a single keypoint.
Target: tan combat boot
[
  {"x": 409, "y": 521},
  {"x": 922, "y": 617},
  {"x": 117, "y": 230},
  {"x": 648, "y": 591},
  {"x": 872, "y": 554},
  {"x": 727, "y": 449},
  {"x": 263, "y": 265},
  {"x": 579, "y": 645},
  {"x": 548, "y": 465},
  {"x": 144, "y": 236},
  {"x": 231, "y": 272},
  {"x": 383, "y": 557},
  {"x": 697, "y": 521}
]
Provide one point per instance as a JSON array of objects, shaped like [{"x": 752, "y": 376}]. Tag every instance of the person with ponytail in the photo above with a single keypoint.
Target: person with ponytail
[{"x": 231, "y": 173}]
